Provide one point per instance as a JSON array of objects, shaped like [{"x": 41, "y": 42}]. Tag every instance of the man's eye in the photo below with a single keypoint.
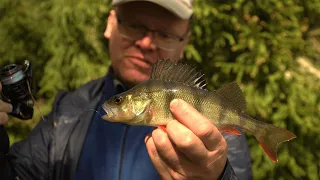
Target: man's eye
[
  {"x": 164, "y": 35},
  {"x": 135, "y": 27}
]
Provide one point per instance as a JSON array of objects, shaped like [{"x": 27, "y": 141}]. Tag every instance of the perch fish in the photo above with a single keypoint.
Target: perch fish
[{"x": 148, "y": 104}]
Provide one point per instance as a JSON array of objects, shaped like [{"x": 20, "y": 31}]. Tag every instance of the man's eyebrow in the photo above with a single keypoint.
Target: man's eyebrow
[{"x": 132, "y": 20}]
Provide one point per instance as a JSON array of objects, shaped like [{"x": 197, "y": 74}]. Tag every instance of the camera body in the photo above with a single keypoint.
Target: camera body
[{"x": 17, "y": 90}]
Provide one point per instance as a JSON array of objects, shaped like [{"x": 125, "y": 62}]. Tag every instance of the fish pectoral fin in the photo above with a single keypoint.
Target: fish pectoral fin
[
  {"x": 143, "y": 104},
  {"x": 144, "y": 117},
  {"x": 231, "y": 131},
  {"x": 162, "y": 127},
  {"x": 148, "y": 115}
]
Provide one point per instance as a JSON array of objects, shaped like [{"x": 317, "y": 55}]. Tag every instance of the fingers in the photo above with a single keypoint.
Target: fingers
[
  {"x": 200, "y": 125},
  {"x": 170, "y": 160},
  {"x": 156, "y": 160},
  {"x": 187, "y": 142},
  {"x": 5, "y": 107},
  {"x": 192, "y": 148},
  {"x": 166, "y": 150},
  {"x": 4, "y": 118}
]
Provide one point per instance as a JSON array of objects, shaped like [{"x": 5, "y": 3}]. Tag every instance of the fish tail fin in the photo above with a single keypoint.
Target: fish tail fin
[{"x": 269, "y": 137}]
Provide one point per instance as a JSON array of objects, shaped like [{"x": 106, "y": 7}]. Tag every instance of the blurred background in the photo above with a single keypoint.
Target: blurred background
[{"x": 271, "y": 48}]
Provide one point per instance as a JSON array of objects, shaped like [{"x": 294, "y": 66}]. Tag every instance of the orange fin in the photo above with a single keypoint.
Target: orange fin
[
  {"x": 162, "y": 127},
  {"x": 273, "y": 137},
  {"x": 231, "y": 131}
]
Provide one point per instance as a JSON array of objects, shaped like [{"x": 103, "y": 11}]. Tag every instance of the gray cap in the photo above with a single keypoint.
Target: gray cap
[{"x": 181, "y": 8}]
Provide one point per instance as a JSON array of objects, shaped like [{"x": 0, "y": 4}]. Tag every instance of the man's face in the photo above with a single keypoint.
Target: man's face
[{"x": 132, "y": 60}]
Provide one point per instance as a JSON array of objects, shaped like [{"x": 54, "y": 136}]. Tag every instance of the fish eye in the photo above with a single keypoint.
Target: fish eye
[{"x": 117, "y": 100}]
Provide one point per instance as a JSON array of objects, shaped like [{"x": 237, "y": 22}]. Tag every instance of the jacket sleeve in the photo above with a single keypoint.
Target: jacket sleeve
[
  {"x": 29, "y": 159},
  {"x": 4, "y": 148},
  {"x": 239, "y": 159},
  {"x": 228, "y": 173}
]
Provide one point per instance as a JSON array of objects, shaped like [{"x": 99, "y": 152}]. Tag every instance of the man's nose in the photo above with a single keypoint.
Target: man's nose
[{"x": 146, "y": 42}]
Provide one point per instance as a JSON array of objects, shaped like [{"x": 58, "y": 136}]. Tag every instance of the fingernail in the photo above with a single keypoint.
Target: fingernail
[
  {"x": 174, "y": 103},
  {"x": 146, "y": 138},
  {"x": 157, "y": 134}
]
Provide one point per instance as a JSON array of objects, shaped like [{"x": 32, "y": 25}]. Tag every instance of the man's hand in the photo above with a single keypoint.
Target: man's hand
[
  {"x": 192, "y": 148},
  {"x": 4, "y": 109}
]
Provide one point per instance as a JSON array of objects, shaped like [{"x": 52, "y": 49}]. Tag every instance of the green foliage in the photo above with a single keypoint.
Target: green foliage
[
  {"x": 257, "y": 43},
  {"x": 23, "y": 29},
  {"x": 271, "y": 48},
  {"x": 76, "y": 43}
]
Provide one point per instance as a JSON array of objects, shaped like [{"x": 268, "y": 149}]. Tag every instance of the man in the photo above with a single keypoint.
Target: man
[{"x": 74, "y": 143}]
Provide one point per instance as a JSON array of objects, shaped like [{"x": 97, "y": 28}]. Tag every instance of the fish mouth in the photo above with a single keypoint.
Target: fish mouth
[{"x": 108, "y": 111}]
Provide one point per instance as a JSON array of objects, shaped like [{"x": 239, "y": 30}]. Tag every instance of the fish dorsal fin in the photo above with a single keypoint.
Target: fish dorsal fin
[
  {"x": 168, "y": 70},
  {"x": 232, "y": 93}
]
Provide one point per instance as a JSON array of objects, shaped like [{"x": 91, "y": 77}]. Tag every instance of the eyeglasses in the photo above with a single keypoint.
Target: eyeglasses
[{"x": 135, "y": 32}]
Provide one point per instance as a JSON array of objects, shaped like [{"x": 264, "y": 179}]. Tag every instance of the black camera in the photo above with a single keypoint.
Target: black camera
[{"x": 16, "y": 83}]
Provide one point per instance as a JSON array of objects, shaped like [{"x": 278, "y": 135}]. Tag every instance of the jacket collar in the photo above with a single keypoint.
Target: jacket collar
[{"x": 117, "y": 84}]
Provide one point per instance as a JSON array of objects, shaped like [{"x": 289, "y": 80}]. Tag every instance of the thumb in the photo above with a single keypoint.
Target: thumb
[{"x": 4, "y": 107}]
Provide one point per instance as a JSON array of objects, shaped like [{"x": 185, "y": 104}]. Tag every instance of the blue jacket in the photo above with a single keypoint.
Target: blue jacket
[{"x": 53, "y": 148}]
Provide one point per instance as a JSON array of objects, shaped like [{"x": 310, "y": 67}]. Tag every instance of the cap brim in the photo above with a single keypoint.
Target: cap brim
[{"x": 176, "y": 7}]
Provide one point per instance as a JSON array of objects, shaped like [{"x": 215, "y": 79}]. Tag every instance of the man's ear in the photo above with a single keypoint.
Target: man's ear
[{"x": 110, "y": 24}]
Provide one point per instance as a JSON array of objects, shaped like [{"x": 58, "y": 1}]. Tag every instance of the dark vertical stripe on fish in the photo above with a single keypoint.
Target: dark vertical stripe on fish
[
  {"x": 242, "y": 120},
  {"x": 169, "y": 95},
  {"x": 222, "y": 112},
  {"x": 148, "y": 87}
]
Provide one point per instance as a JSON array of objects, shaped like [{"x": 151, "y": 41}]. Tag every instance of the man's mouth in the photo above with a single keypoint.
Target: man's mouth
[{"x": 140, "y": 61}]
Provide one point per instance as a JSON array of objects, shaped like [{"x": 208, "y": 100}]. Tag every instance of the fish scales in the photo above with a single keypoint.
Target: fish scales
[{"x": 162, "y": 93}]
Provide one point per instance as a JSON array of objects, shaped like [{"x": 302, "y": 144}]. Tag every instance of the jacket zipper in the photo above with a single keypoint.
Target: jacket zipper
[{"x": 122, "y": 150}]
